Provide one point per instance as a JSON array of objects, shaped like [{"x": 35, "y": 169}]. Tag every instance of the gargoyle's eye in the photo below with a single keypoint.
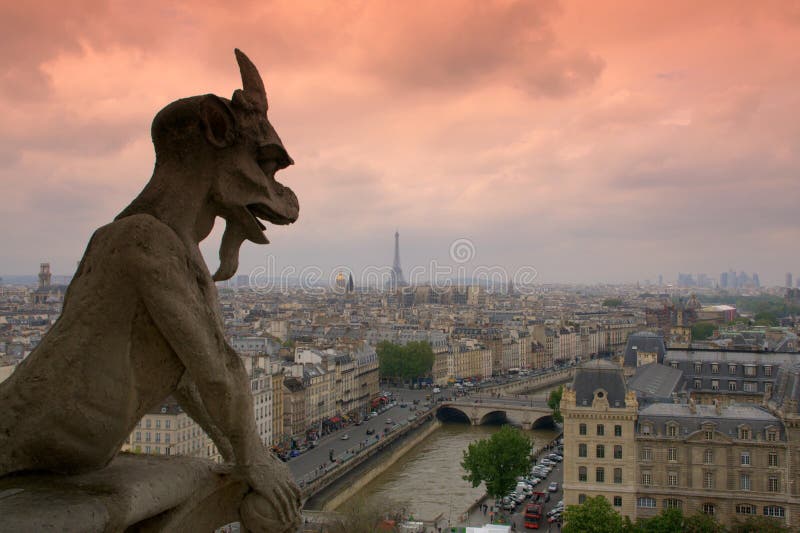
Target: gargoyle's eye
[{"x": 276, "y": 153}]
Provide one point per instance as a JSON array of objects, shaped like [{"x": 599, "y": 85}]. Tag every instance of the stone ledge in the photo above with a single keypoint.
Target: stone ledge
[{"x": 133, "y": 493}]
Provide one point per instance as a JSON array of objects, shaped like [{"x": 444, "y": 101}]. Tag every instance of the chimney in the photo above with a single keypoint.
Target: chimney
[{"x": 692, "y": 407}]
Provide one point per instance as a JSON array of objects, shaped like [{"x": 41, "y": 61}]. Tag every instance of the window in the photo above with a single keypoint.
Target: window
[
  {"x": 646, "y": 454},
  {"x": 147, "y": 423},
  {"x": 601, "y": 451},
  {"x": 672, "y": 430},
  {"x": 715, "y": 368},
  {"x": 745, "y": 508},
  {"x": 772, "y": 435},
  {"x": 166, "y": 438},
  {"x": 698, "y": 384},
  {"x": 158, "y": 423},
  {"x": 732, "y": 386},
  {"x": 167, "y": 424},
  {"x": 708, "y": 480},
  {"x": 698, "y": 367},
  {"x": 582, "y": 429},
  {"x": 709, "y": 509},
  {"x": 581, "y": 498},
  {"x": 771, "y": 461},
  {"x": 147, "y": 436},
  {"x": 772, "y": 484},
  {"x": 646, "y": 429},
  {"x": 714, "y": 384},
  {"x": 601, "y": 430},
  {"x": 744, "y": 433},
  {"x": 600, "y": 475},
  {"x": 582, "y": 450},
  {"x": 138, "y": 436},
  {"x": 708, "y": 456},
  {"x": 617, "y": 475},
  {"x": 768, "y": 371},
  {"x": 647, "y": 479},
  {"x": 672, "y": 503},
  {"x": 582, "y": 476},
  {"x": 147, "y": 450},
  {"x": 744, "y": 481},
  {"x": 708, "y": 434},
  {"x": 158, "y": 436},
  {"x": 750, "y": 371},
  {"x": 750, "y": 386},
  {"x": 672, "y": 454},
  {"x": 732, "y": 370},
  {"x": 744, "y": 459},
  {"x": 618, "y": 452},
  {"x": 774, "y": 510},
  {"x": 672, "y": 479},
  {"x": 618, "y": 431},
  {"x": 768, "y": 387},
  {"x": 617, "y": 501},
  {"x": 648, "y": 503}
]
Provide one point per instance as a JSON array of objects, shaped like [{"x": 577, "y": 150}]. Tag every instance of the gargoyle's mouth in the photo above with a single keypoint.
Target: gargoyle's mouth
[{"x": 263, "y": 212}]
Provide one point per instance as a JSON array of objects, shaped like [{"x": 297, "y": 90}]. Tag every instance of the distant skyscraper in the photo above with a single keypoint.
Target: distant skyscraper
[
  {"x": 397, "y": 279},
  {"x": 723, "y": 280},
  {"x": 756, "y": 281},
  {"x": 350, "y": 285},
  {"x": 660, "y": 280},
  {"x": 789, "y": 280}
]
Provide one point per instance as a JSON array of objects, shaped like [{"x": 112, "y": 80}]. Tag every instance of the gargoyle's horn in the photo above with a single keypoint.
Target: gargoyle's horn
[{"x": 251, "y": 82}]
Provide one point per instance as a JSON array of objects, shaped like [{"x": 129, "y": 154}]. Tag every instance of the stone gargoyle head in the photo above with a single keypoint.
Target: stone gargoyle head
[{"x": 227, "y": 151}]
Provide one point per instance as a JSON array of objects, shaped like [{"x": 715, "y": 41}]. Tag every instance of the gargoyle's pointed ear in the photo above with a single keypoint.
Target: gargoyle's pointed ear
[{"x": 218, "y": 121}]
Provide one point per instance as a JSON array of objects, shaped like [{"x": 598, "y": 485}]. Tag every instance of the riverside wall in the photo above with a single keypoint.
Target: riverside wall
[
  {"x": 340, "y": 483},
  {"x": 531, "y": 384}
]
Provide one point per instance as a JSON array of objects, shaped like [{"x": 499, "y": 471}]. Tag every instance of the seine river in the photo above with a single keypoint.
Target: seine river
[{"x": 427, "y": 480}]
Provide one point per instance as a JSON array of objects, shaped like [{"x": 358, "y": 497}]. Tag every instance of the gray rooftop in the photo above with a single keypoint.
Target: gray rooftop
[{"x": 656, "y": 381}]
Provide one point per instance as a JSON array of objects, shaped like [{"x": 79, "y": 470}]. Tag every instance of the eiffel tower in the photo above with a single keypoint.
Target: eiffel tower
[{"x": 397, "y": 279}]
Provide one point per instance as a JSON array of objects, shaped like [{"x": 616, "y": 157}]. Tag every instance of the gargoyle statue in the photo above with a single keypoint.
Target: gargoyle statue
[{"x": 141, "y": 318}]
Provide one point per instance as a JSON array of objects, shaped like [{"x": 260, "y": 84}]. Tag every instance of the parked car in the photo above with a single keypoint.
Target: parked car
[
  {"x": 345, "y": 436},
  {"x": 553, "y": 486},
  {"x": 388, "y": 421},
  {"x": 371, "y": 431}
]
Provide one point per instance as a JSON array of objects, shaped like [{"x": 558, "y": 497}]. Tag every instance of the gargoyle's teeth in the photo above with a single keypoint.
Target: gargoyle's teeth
[{"x": 255, "y": 217}]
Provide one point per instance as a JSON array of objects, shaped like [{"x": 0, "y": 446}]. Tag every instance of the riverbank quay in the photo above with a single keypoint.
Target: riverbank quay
[{"x": 351, "y": 471}]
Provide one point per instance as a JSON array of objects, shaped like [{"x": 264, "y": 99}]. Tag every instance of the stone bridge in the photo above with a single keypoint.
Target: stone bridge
[{"x": 479, "y": 410}]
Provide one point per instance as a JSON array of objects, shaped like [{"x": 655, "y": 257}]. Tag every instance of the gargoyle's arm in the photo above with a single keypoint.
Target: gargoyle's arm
[{"x": 173, "y": 293}]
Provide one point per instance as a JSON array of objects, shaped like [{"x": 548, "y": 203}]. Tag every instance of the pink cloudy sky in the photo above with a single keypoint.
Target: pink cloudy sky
[{"x": 595, "y": 141}]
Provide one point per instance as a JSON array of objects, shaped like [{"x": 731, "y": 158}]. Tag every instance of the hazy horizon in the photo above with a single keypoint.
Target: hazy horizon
[{"x": 593, "y": 141}]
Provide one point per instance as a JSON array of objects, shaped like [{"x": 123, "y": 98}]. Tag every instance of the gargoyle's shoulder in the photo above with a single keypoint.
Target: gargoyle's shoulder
[{"x": 140, "y": 234}]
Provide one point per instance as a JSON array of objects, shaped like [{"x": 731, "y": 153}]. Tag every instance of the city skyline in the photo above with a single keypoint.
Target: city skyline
[{"x": 655, "y": 139}]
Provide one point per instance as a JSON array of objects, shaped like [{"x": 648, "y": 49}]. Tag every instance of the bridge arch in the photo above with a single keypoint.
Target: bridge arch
[
  {"x": 545, "y": 421},
  {"x": 447, "y": 413},
  {"x": 496, "y": 417}
]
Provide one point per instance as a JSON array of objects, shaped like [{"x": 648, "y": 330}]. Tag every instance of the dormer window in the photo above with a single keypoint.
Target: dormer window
[
  {"x": 672, "y": 430},
  {"x": 744, "y": 433},
  {"x": 715, "y": 368},
  {"x": 772, "y": 435},
  {"x": 647, "y": 429}
]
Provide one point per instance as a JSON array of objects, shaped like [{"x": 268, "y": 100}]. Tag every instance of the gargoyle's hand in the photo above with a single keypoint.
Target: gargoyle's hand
[{"x": 273, "y": 505}]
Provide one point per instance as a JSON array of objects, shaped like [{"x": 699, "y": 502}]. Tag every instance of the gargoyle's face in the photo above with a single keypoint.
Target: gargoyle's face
[{"x": 246, "y": 191}]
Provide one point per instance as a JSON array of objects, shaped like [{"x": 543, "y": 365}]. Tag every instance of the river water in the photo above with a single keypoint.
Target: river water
[{"x": 427, "y": 480}]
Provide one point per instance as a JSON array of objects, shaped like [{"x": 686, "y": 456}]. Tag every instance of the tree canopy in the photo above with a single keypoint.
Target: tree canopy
[
  {"x": 409, "y": 362},
  {"x": 612, "y": 302},
  {"x": 498, "y": 460},
  {"x": 554, "y": 401},
  {"x": 703, "y": 330},
  {"x": 595, "y": 515}
]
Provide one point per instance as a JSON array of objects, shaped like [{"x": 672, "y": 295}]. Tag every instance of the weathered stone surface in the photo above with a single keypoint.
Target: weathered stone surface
[
  {"x": 141, "y": 317},
  {"x": 135, "y": 493}
]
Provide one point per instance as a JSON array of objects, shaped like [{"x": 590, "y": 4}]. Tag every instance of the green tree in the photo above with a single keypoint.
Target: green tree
[
  {"x": 498, "y": 460},
  {"x": 612, "y": 302},
  {"x": 702, "y": 523},
  {"x": 766, "y": 318},
  {"x": 405, "y": 363},
  {"x": 758, "y": 524},
  {"x": 668, "y": 521},
  {"x": 595, "y": 515},
  {"x": 554, "y": 401},
  {"x": 703, "y": 330}
]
